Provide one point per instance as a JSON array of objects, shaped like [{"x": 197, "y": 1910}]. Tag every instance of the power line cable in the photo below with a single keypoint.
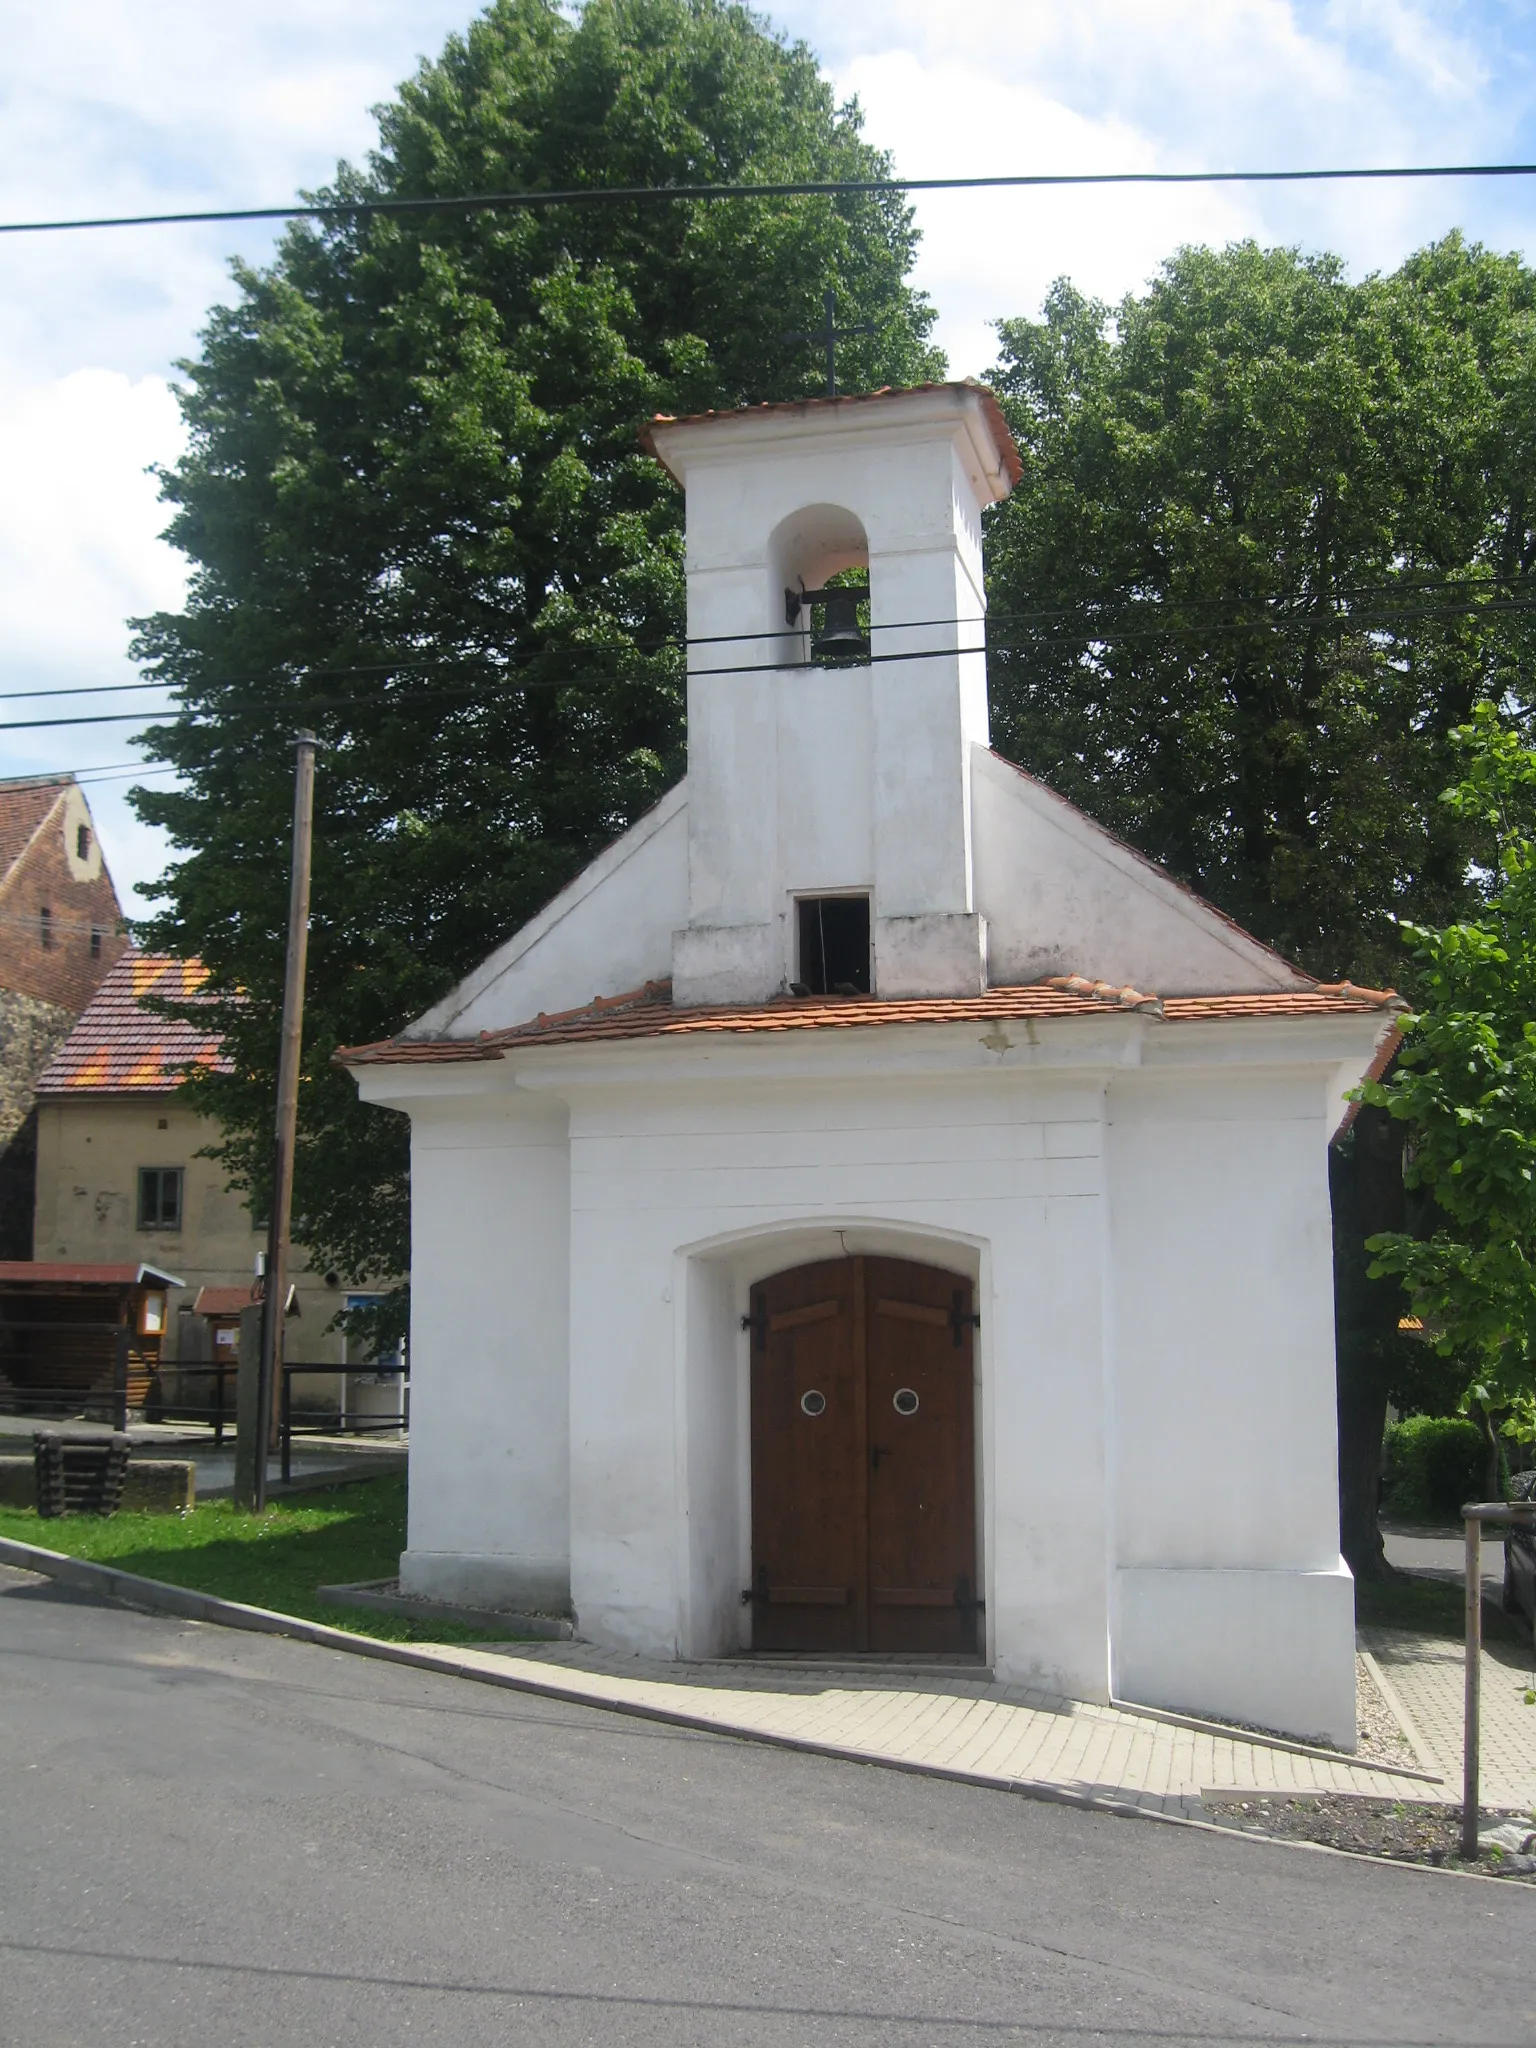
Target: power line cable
[
  {"x": 1106, "y": 614},
  {"x": 313, "y": 706},
  {"x": 801, "y": 188},
  {"x": 1129, "y": 623}
]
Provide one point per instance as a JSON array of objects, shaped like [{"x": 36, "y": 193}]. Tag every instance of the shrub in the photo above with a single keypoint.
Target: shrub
[{"x": 1433, "y": 1463}]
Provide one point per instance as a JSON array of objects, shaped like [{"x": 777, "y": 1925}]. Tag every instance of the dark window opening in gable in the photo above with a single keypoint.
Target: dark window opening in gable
[
  {"x": 95, "y": 941},
  {"x": 45, "y": 928},
  {"x": 834, "y": 945},
  {"x": 160, "y": 1197},
  {"x": 82, "y": 842}
]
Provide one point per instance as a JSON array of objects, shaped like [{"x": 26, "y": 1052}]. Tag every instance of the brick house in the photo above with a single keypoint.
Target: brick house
[
  {"x": 61, "y": 929},
  {"x": 122, "y": 1175}
]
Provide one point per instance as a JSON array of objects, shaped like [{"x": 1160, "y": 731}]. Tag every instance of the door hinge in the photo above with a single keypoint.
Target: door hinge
[
  {"x": 757, "y": 1322},
  {"x": 960, "y": 1316}
]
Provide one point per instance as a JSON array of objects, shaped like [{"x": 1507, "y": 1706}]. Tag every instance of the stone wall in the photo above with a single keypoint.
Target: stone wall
[
  {"x": 31, "y": 1031},
  {"x": 156, "y": 1486}
]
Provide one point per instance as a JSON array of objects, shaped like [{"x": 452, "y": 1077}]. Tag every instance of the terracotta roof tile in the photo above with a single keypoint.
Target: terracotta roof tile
[
  {"x": 121, "y": 1048},
  {"x": 1003, "y": 441},
  {"x": 41, "y": 1274},
  {"x": 648, "y": 1013},
  {"x": 1386, "y": 1053},
  {"x": 225, "y": 1301}
]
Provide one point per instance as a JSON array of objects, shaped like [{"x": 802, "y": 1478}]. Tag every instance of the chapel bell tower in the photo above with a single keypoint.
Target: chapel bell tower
[{"x": 836, "y": 687}]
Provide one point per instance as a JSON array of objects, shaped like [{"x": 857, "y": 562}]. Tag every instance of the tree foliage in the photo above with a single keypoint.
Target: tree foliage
[
  {"x": 1275, "y": 538},
  {"x": 418, "y": 520},
  {"x": 1465, "y": 1087},
  {"x": 1268, "y": 551}
]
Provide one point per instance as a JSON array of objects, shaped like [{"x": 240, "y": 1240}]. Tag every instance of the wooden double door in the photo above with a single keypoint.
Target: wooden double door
[{"x": 863, "y": 1459}]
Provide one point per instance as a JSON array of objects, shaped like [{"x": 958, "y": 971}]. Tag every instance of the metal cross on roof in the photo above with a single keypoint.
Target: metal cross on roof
[{"x": 829, "y": 336}]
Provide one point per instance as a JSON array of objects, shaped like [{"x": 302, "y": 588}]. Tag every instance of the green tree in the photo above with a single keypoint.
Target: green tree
[
  {"x": 1464, "y": 1086},
  {"x": 1274, "y": 539},
  {"x": 1266, "y": 555},
  {"x": 419, "y": 520}
]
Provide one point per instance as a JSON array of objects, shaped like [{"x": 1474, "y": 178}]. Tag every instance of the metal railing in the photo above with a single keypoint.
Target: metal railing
[
  {"x": 218, "y": 1410},
  {"x": 344, "y": 1425}
]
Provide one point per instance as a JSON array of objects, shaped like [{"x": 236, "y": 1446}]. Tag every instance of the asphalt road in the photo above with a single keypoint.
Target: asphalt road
[{"x": 212, "y": 1837}]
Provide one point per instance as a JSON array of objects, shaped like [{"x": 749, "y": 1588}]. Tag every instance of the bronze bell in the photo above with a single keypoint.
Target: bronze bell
[{"x": 841, "y": 636}]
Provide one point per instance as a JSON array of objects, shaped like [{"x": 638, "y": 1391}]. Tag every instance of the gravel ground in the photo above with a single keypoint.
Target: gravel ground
[
  {"x": 1371, "y": 1827},
  {"x": 1380, "y": 1738}
]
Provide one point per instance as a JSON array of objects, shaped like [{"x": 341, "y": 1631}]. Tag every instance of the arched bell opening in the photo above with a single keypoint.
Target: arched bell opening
[{"x": 818, "y": 566}]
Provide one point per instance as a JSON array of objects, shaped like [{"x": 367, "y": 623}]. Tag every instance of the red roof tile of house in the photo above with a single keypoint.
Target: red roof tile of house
[
  {"x": 39, "y": 1273},
  {"x": 1003, "y": 441},
  {"x": 121, "y": 1048},
  {"x": 229, "y": 1301},
  {"x": 648, "y": 1013},
  {"x": 223, "y": 1301}
]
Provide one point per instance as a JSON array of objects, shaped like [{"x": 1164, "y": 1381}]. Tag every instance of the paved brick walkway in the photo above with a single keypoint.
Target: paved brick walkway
[
  {"x": 1427, "y": 1675},
  {"x": 968, "y": 1727}
]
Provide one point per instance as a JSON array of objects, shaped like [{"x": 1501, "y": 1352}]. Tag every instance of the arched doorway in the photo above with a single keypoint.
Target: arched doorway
[{"x": 863, "y": 1459}]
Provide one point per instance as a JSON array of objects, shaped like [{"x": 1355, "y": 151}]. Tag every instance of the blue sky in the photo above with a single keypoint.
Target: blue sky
[{"x": 114, "y": 105}]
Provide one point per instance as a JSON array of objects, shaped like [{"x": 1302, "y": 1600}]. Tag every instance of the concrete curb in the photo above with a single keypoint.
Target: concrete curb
[
  {"x": 1397, "y": 1708},
  {"x": 158, "y": 1596},
  {"x": 1260, "y": 1739}
]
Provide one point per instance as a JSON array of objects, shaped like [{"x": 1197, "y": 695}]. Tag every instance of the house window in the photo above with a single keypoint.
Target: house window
[
  {"x": 45, "y": 928},
  {"x": 834, "y": 945},
  {"x": 82, "y": 842},
  {"x": 95, "y": 941},
  {"x": 160, "y": 1197}
]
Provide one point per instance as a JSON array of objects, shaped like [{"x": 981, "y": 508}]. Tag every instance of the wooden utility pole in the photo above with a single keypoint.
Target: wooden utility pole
[
  {"x": 1471, "y": 1731},
  {"x": 275, "y": 1291},
  {"x": 1507, "y": 1515}
]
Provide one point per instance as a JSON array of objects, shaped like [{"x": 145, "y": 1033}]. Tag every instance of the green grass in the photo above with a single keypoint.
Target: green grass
[
  {"x": 334, "y": 1537},
  {"x": 1435, "y": 1607}
]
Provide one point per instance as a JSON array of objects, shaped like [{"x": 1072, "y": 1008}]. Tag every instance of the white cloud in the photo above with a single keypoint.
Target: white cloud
[
  {"x": 78, "y": 544},
  {"x": 80, "y": 554},
  {"x": 988, "y": 255},
  {"x": 108, "y": 106}
]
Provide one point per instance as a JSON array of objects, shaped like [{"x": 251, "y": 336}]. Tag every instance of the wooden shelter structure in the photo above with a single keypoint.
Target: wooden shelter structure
[{"x": 81, "y": 1340}]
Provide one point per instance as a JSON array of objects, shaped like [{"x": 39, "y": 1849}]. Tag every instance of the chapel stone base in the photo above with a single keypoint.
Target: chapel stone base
[
  {"x": 520, "y": 1585},
  {"x": 1275, "y": 1649}
]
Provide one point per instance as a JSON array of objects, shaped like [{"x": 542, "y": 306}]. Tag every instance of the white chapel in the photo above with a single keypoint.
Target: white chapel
[{"x": 872, "y": 1211}]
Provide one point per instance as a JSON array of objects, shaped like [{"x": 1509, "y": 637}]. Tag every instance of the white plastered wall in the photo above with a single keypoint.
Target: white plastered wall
[
  {"x": 1143, "y": 1209},
  {"x": 886, "y": 804},
  {"x": 1231, "y": 1596},
  {"x": 489, "y": 1520},
  {"x": 1061, "y": 896},
  {"x": 607, "y": 932},
  {"x": 682, "y": 1195}
]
